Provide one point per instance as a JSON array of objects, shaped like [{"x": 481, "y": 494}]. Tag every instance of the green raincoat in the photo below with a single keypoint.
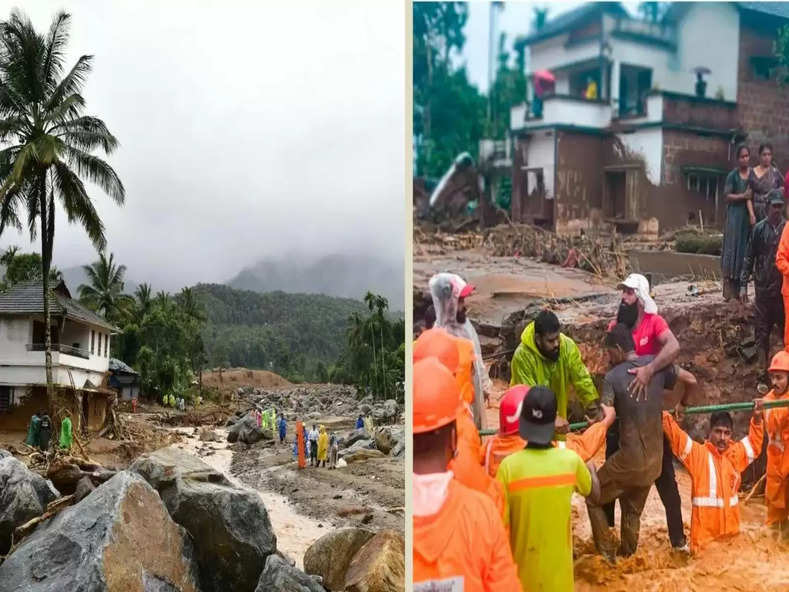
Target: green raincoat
[
  {"x": 33, "y": 431},
  {"x": 66, "y": 435},
  {"x": 530, "y": 367}
]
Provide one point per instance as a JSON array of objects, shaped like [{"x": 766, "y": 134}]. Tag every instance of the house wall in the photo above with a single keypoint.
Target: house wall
[
  {"x": 25, "y": 402},
  {"x": 763, "y": 106},
  {"x": 578, "y": 182},
  {"x": 647, "y": 143},
  {"x": 552, "y": 53},
  {"x": 540, "y": 153}
]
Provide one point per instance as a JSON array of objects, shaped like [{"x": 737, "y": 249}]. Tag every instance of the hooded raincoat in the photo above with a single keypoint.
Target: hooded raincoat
[
  {"x": 66, "y": 434},
  {"x": 33, "y": 431},
  {"x": 445, "y": 290},
  {"x": 530, "y": 367},
  {"x": 323, "y": 444}
]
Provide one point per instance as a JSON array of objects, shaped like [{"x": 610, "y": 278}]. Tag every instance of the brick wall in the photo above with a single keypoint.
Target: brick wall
[{"x": 763, "y": 105}]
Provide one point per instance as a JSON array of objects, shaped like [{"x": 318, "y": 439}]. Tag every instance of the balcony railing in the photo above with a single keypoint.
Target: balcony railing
[{"x": 62, "y": 348}]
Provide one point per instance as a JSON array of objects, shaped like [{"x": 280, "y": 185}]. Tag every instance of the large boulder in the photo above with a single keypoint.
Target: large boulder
[
  {"x": 379, "y": 566},
  {"x": 355, "y": 436},
  {"x": 118, "y": 538},
  {"x": 4, "y": 453},
  {"x": 363, "y": 454},
  {"x": 23, "y": 496},
  {"x": 247, "y": 431},
  {"x": 386, "y": 413},
  {"x": 330, "y": 556},
  {"x": 386, "y": 438},
  {"x": 84, "y": 488},
  {"x": 356, "y": 446},
  {"x": 279, "y": 575},
  {"x": 229, "y": 525}
]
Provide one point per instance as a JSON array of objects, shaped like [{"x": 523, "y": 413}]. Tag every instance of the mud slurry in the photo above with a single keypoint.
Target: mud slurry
[{"x": 359, "y": 494}]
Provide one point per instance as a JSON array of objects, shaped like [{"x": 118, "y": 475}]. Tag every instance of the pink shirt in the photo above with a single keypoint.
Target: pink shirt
[{"x": 646, "y": 334}]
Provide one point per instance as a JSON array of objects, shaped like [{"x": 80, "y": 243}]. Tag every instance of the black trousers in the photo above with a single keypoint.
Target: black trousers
[
  {"x": 768, "y": 313},
  {"x": 666, "y": 485}
]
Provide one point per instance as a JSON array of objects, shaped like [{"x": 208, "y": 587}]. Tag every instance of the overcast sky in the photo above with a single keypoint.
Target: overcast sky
[
  {"x": 514, "y": 20},
  {"x": 247, "y": 129}
]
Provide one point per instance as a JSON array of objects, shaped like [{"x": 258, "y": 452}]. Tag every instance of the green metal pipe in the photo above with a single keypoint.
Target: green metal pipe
[{"x": 743, "y": 406}]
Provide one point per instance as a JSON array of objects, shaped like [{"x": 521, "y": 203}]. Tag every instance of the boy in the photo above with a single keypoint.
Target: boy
[
  {"x": 776, "y": 492},
  {"x": 509, "y": 441},
  {"x": 459, "y": 540},
  {"x": 539, "y": 482},
  {"x": 715, "y": 469}
]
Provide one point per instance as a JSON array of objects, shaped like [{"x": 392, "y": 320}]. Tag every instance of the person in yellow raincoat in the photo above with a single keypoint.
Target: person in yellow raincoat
[{"x": 323, "y": 446}]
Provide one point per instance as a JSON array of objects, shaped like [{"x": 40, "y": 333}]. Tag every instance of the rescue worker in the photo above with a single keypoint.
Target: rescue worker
[
  {"x": 134, "y": 404},
  {"x": 334, "y": 449},
  {"x": 509, "y": 441},
  {"x": 449, "y": 292},
  {"x": 547, "y": 357},
  {"x": 776, "y": 492},
  {"x": 66, "y": 434},
  {"x": 313, "y": 439},
  {"x": 459, "y": 540},
  {"x": 539, "y": 482},
  {"x": 283, "y": 428},
  {"x": 45, "y": 431},
  {"x": 760, "y": 260},
  {"x": 628, "y": 473},
  {"x": 33, "y": 431},
  {"x": 715, "y": 469},
  {"x": 652, "y": 337},
  {"x": 323, "y": 446},
  {"x": 782, "y": 263},
  {"x": 455, "y": 354},
  {"x": 360, "y": 423}
]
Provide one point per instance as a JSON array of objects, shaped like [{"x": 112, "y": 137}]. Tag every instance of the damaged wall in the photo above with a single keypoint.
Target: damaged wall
[{"x": 578, "y": 183}]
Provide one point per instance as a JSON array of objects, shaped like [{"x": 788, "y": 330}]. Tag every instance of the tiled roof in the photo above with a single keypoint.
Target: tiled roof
[
  {"x": 28, "y": 298},
  {"x": 119, "y": 366}
]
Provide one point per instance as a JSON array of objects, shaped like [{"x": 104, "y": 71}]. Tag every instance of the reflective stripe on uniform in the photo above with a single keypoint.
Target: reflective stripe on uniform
[
  {"x": 687, "y": 449},
  {"x": 544, "y": 481},
  {"x": 746, "y": 442},
  {"x": 713, "y": 476},
  {"x": 734, "y": 500},
  {"x": 707, "y": 502},
  {"x": 561, "y": 444},
  {"x": 488, "y": 451}
]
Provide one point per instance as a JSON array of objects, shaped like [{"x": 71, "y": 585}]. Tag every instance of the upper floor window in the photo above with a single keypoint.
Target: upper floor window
[
  {"x": 762, "y": 66},
  {"x": 92, "y": 342},
  {"x": 106, "y": 346}
]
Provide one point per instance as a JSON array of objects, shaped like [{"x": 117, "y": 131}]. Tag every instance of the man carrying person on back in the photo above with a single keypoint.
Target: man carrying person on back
[
  {"x": 547, "y": 357},
  {"x": 629, "y": 472},
  {"x": 767, "y": 280},
  {"x": 651, "y": 337}
]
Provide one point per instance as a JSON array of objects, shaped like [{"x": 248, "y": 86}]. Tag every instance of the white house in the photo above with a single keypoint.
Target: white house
[
  {"x": 81, "y": 352},
  {"x": 652, "y": 150}
]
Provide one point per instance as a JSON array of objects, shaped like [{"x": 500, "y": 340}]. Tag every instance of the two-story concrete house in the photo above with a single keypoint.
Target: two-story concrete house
[
  {"x": 652, "y": 151},
  {"x": 80, "y": 358}
]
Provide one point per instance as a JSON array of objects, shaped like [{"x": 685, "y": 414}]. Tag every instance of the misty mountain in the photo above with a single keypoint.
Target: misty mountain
[{"x": 341, "y": 276}]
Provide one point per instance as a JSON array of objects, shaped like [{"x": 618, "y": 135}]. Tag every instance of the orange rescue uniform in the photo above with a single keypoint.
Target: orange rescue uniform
[
  {"x": 782, "y": 263},
  {"x": 463, "y": 547},
  {"x": 500, "y": 447},
  {"x": 776, "y": 492},
  {"x": 715, "y": 480}
]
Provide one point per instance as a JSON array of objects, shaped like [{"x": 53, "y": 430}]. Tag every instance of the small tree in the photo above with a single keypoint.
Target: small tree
[{"x": 781, "y": 50}]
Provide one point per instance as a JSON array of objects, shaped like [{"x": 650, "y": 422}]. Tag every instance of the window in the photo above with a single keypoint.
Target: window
[
  {"x": 92, "y": 342},
  {"x": 762, "y": 66},
  {"x": 106, "y": 346},
  {"x": 98, "y": 353},
  {"x": 706, "y": 183}
]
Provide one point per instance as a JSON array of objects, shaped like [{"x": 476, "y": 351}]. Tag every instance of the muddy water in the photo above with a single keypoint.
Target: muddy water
[{"x": 295, "y": 532}]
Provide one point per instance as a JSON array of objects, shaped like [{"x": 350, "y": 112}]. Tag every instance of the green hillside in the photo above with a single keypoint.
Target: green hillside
[{"x": 296, "y": 335}]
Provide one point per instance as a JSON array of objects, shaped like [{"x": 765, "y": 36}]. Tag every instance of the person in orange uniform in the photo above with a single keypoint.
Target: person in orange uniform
[
  {"x": 782, "y": 263},
  {"x": 459, "y": 539},
  {"x": 715, "y": 468},
  {"x": 776, "y": 493},
  {"x": 508, "y": 440},
  {"x": 456, "y": 354}
]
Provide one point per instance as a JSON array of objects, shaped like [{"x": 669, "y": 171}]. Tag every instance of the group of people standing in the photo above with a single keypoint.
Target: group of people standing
[
  {"x": 497, "y": 515},
  {"x": 39, "y": 431},
  {"x": 318, "y": 446}
]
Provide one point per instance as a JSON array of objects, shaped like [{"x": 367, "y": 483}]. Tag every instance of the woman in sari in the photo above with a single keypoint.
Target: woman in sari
[
  {"x": 763, "y": 179},
  {"x": 739, "y": 219}
]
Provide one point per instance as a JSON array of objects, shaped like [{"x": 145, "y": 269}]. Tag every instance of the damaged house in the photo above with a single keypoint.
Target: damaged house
[
  {"x": 674, "y": 98},
  {"x": 80, "y": 359}
]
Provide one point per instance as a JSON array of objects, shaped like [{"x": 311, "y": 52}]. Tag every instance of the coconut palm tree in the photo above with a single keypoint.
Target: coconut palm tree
[
  {"x": 190, "y": 305},
  {"x": 104, "y": 293},
  {"x": 47, "y": 143},
  {"x": 144, "y": 297}
]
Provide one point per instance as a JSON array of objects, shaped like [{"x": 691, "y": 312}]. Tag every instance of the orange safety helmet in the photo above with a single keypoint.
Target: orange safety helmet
[
  {"x": 436, "y": 396},
  {"x": 780, "y": 362},
  {"x": 509, "y": 409},
  {"x": 437, "y": 343}
]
